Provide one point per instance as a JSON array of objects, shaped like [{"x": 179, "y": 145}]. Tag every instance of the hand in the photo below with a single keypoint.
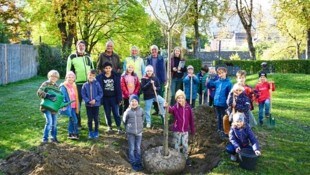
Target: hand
[
  {"x": 174, "y": 69},
  {"x": 152, "y": 81},
  {"x": 179, "y": 69},
  {"x": 92, "y": 102},
  {"x": 271, "y": 82},
  {"x": 238, "y": 150},
  {"x": 258, "y": 153},
  {"x": 166, "y": 104},
  {"x": 51, "y": 97},
  {"x": 234, "y": 104},
  {"x": 63, "y": 109}
]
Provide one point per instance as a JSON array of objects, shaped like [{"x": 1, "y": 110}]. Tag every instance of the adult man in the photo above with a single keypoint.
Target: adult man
[
  {"x": 109, "y": 56},
  {"x": 158, "y": 63},
  {"x": 80, "y": 63},
  {"x": 136, "y": 61}
]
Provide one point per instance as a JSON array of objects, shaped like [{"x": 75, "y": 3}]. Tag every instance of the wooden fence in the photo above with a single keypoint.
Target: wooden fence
[{"x": 17, "y": 62}]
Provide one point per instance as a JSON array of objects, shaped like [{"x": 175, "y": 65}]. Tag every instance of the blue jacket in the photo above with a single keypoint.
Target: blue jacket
[
  {"x": 117, "y": 85},
  {"x": 92, "y": 90},
  {"x": 242, "y": 137},
  {"x": 187, "y": 86},
  {"x": 222, "y": 89},
  {"x": 211, "y": 79},
  {"x": 68, "y": 109},
  {"x": 160, "y": 68}
]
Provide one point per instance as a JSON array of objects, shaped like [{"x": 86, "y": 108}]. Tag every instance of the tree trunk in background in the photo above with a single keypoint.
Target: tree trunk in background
[
  {"x": 308, "y": 45},
  {"x": 250, "y": 43},
  {"x": 196, "y": 44}
]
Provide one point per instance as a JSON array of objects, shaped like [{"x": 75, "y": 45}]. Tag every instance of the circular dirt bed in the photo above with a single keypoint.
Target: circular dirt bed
[{"x": 205, "y": 149}]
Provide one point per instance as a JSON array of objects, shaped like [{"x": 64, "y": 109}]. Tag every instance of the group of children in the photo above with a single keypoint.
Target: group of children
[{"x": 108, "y": 89}]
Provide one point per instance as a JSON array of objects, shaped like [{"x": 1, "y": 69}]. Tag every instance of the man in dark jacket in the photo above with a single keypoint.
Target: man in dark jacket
[{"x": 109, "y": 56}]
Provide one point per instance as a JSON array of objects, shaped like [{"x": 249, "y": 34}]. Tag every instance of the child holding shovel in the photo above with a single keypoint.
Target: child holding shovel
[
  {"x": 264, "y": 88},
  {"x": 191, "y": 82},
  {"x": 150, "y": 87}
]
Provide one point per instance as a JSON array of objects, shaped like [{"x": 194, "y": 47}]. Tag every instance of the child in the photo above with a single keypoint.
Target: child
[
  {"x": 240, "y": 136},
  {"x": 150, "y": 87},
  {"x": 92, "y": 94},
  {"x": 263, "y": 88},
  {"x": 241, "y": 78},
  {"x": 222, "y": 88},
  {"x": 130, "y": 84},
  {"x": 133, "y": 120},
  {"x": 183, "y": 123},
  {"x": 50, "y": 116},
  {"x": 202, "y": 90},
  {"x": 211, "y": 79},
  {"x": 238, "y": 101},
  {"x": 190, "y": 86},
  {"x": 69, "y": 90},
  {"x": 112, "y": 95}
]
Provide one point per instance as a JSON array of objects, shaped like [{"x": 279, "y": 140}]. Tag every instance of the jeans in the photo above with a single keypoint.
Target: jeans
[
  {"x": 176, "y": 84},
  {"x": 181, "y": 139},
  {"x": 134, "y": 144},
  {"x": 148, "y": 104},
  {"x": 73, "y": 123},
  {"x": 110, "y": 104},
  {"x": 265, "y": 104},
  {"x": 92, "y": 115},
  {"x": 50, "y": 125},
  {"x": 220, "y": 112}
]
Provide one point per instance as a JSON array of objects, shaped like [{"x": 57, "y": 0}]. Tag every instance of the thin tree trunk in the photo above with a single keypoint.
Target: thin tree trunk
[
  {"x": 298, "y": 50},
  {"x": 196, "y": 44},
  {"x": 308, "y": 45},
  {"x": 250, "y": 43}
]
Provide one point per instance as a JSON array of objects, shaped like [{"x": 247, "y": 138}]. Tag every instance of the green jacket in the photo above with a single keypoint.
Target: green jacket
[
  {"x": 80, "y": 65},
  {"x": 202, "y": 82}
]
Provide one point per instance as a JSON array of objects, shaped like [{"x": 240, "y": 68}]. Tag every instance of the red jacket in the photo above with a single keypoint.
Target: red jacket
[
  {"x": 124, "y": 87},
  {"x": 263, "y": 91}
]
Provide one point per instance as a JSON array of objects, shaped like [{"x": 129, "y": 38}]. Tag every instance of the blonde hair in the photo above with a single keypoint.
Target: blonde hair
[
  {"x": 53, "y": 73},
  {"x": 237, "y": 86},
  {"x": 70, "y": 73},
  {"x": 241, "y": 73}
]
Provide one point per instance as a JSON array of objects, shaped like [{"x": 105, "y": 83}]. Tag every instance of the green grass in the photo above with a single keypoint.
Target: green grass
[{"x": 285, "y": 148}]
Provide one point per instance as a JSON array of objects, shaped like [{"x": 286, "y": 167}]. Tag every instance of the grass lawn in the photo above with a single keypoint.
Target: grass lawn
[{"x": 285, "y": 148}]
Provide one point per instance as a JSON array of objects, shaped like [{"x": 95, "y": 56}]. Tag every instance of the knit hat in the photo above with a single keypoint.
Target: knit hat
[
  {"x": 190, "y": 67},
  {"x": 262, "y": 74},
  {"x": 149, "y": 67},
  {"x": 179, "y": 93},
  {"x": 107, "y": 64},
  {"x": 238, "y": 117},
  {"x": 133, "y": 97},
  {"x": 80, "y": 42}
]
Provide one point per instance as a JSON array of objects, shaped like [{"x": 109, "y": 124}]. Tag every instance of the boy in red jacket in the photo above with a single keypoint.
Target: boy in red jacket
[
  {"x": 182, "y": 124},
  {"x": 263, "y": 88}
]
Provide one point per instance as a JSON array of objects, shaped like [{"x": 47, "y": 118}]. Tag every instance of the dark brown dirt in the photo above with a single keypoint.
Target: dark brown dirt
[{"x": 205, "y": 149}]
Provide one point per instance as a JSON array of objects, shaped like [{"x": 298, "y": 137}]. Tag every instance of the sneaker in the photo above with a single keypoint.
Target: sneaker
[
  {"x": 261, "y": 122},
  {"x": 120, "y": 131},
  {"x": 267, "y": 116},
  {"x": 233, "y": 158},
  {"x": 45, "y": 141},
  {"x": 96, "y": 135},
  {"x": 74, "y": 137},
  {"x": 90, "y": 135},
  {"x": 54, "y": 140},
  {"x": 188, "y": 162},
  {"x": 148, "y": 125},
  {"x": 110, "y": 129}
]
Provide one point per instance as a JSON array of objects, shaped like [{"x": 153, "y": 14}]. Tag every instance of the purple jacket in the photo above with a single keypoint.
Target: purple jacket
[
  {"x": 183, "y": 118},
  {"x": 242, "y": 137}
]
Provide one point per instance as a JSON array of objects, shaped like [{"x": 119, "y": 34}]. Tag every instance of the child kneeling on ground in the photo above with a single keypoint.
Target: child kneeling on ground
[
  {"x": 240, "y": 136},
  {"x": 133, "y": 120},
  {"x": 182, "y": 124}
]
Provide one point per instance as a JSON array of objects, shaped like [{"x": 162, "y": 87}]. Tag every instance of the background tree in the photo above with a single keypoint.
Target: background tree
[{"x": 245, "y": 12}]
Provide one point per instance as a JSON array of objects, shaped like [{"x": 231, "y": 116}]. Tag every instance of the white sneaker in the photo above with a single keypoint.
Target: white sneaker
[
  {"x": 233, "y": 158},
  {"x": 148, "y": 125}
]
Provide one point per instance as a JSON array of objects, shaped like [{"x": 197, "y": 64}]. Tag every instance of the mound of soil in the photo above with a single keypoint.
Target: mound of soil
[{"x": 205, "y": 149}]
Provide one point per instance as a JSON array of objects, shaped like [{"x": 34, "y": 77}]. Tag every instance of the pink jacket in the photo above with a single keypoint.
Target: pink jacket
[{"x": 183, "y": 118}]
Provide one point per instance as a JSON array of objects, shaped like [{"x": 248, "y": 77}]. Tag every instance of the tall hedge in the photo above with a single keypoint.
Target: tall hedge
[
  {"x": 278, "y": 66},
  {"x": 196, "y": 63},
  {"x": 50, "y": 58}
]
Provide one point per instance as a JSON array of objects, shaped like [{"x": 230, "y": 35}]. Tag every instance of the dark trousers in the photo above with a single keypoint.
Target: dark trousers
[
  {"x": 110, "y": 105},
  {"x": 193, "y": 102},
  {"x": 211, "y": 101},
  {"x": 79, "y": 89},
  {"x": 220, "y": 112},
  {"x": 92, "y": 115}
]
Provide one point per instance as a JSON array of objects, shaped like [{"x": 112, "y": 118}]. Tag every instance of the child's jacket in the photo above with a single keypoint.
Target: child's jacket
[
  {"x": 202, "y": 82},
  {"x": 211, "y": 79},
  {"x": 187, "y": 86},
  {"x": 222, "y": 89},
  {"x": 65, "y": 92},
  {"x": 242, "y": 102},
  {"x": 124, "y": 85},
  {"x": 117, "y": 85},
  {"x": 90, "y": 91},
  {"x": 147, "y": 87},
  {"x": 133, "y": 120},
  {"x": 263, "y": 91},
  {"x": 183, "y": 118},
  {"x": 42, "y": 92},
  {"x": 242, "y": 137}
]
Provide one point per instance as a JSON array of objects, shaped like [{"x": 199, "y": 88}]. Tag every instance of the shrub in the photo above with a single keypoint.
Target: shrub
[
  {"x": 50, "y": 58},
  {"x": 196, "y": 63},
  {"x": 278, "y": 66}
]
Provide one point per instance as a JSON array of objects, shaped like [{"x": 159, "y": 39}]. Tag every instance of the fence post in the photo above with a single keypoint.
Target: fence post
[{"x": 6, "y": 63}]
